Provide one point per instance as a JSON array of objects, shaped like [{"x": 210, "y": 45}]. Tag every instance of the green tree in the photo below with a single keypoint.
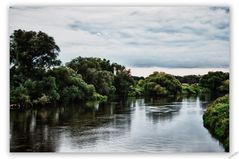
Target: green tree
[
  {"x": 31, "y": 53},
  {"x": 190, "y": 79},
  {"x": 122, "y": 82},
  {"x": 224, "y": 88},
  {"x": 104, "y": 83},
  {"x": 96, "y": 71},
  {"x": 212, "y": 82},
  {"x": 191, "y": 89},
  {"x": 35, "y": 81},
  {"x": 20, "y": 96},
  {"x": 162, "y": 84},
  {"x": 71, "y": 86},
  {"x": 29, "y": 50}
]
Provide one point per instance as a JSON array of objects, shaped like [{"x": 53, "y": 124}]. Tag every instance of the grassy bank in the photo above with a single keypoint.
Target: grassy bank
[{"x": 216, "y": 119}]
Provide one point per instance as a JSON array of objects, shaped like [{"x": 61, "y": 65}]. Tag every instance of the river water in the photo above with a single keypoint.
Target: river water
[{"x": 137, "y": 125}]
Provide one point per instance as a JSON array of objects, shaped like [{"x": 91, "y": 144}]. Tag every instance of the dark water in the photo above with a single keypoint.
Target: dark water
[{"x": 138, "y": 125}]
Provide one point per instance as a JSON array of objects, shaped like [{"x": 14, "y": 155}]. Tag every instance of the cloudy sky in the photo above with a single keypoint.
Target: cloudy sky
[{"x": 179, "y": 40}]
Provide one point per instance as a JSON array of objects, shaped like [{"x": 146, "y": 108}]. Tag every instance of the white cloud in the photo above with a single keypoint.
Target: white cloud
[{"x": 182, "y": 37}]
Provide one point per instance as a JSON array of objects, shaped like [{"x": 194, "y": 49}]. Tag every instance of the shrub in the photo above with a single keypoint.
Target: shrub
[{"x": 216, "y": 119}]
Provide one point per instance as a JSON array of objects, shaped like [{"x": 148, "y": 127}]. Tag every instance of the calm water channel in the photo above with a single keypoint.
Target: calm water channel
[{"x": 138, "y": 125}]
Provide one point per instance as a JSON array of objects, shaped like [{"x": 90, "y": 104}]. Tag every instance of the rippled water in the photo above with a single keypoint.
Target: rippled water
[{"x": 138, "y": 125}]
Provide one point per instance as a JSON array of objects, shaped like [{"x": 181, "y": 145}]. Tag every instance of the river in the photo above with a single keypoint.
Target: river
[{"x": 137, "y": 125}]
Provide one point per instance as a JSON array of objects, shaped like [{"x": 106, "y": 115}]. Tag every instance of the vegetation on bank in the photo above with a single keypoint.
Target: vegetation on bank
[
  {"x": 216, "y": 116},
  {"x": 215, "y": 83},
  {"x": 162, "y": 84},
  {"x": 37, "y": 77},
  {"x": 216, "y": 119},
  {"x": 191, "y": 89}
]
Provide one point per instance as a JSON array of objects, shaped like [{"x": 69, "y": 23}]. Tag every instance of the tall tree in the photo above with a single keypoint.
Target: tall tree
[
  {"x": 31, "y": 50},
  {"x": 122, "y": 81}
]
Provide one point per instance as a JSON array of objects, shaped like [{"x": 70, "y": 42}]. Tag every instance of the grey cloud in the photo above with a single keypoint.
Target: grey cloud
[
  {"x": 169, "y": 62},
  {"x": 177, "y": 64},
  {"x": 185, "y": 37},
  {"x": 219, "y": 37},
  {"x": 226, "y": 9},
  {"x": 89, "y": 27}
]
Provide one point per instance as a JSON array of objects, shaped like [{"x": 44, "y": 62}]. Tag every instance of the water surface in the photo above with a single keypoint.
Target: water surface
[{"x": 137, "y": 125}]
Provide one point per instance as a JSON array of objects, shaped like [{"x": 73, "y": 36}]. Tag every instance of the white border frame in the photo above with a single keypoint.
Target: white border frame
[{"x": 234, "y": 77}]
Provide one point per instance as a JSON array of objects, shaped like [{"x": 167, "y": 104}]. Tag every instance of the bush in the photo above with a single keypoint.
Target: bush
[
  {"x": 190, "y": 89},
  {"x": 216, "y": 83},
  {"x": 43, "y": 100},
  {"x": 162, "y": 84},
  {"x": 216, "y": 119},
  {"x": 20, "y": 96}
]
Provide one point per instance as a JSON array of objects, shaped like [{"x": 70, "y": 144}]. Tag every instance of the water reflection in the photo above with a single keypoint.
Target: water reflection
[
  {"x": 135, "y": 125},
  {"x": 162, "y": 109}
]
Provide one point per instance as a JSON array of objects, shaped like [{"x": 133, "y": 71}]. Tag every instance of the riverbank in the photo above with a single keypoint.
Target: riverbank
[{"x": 216, "y": 119}]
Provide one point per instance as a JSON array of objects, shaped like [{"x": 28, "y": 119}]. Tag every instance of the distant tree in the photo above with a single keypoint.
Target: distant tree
[
  {"x": 136, "y": 78},
  {"x": 213, "y": 81},
  {"x": 190, "y": 79},
  {"x": 224, "y": 88},
  {"x": 191, "y": 89},
  {"x": 162, "y": 84}
]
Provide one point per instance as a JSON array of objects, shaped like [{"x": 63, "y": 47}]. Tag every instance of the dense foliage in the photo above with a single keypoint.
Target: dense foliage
[
  {"x": 37, "y": 78},
  {"x": 108, "y": 79},
  {"x": 191, "y": 89},
  {"x": 71, "y": 85},
  {"x": 32, "y": 52},
  {"x": 137, "y": 89},
  {"x": 216, "y": 119},
  {"x": 215, "y": 83},
  {"x": 190, "y": 79},
  {"x": 95, "y": 71},
  {"x": 162, "y": 84},
  {"x": 33, "y": 78}
]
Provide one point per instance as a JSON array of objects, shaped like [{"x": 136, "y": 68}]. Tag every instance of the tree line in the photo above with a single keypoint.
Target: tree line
[{"x": 38, "y": 77}]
